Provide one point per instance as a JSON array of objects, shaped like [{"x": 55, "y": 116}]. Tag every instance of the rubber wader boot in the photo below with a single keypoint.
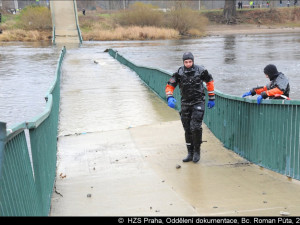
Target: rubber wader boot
[
  {"x": 197, "y": 140},
  {"x": 189, "y": 157}
]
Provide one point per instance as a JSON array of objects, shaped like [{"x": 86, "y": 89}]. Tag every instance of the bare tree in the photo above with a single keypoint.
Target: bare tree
[
  {"x": 229, "y": 12},
  {"x": 118, "y": 4},
  {"x": 87, "y": 4}
]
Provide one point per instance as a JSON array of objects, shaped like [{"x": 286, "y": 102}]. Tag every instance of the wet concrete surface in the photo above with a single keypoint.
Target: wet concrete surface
[
  {"x": 100, "y": 94},
  {"x": 222, "y": 183},
  {"x": 64, "y": 19},
  {"x": 114, "y": 162},
  {"x": 132, "y": 172},
  {"x": 109, "y": 167}
]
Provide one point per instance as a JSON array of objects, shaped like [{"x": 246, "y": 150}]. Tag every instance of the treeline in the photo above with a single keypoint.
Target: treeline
[{"x": 163, "y": 4}]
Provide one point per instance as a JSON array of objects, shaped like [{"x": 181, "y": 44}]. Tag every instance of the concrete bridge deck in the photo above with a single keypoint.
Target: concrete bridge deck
[
  {"x": 64, "y": 19},
  {"x": 127, "y": 170}
]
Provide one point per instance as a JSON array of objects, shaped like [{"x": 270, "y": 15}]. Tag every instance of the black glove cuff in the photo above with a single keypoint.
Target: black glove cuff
[
  {"x": 264, "y": 95},
  {"x": 169, "y": 97},
  {"x": 253, "y": 92},
  {"x": 211, "y": 97}
]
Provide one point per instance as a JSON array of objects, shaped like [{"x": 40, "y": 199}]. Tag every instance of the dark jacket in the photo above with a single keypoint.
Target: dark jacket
[
  {"x": 191, "y": 86},
  {"x": 279, "y": 85}
]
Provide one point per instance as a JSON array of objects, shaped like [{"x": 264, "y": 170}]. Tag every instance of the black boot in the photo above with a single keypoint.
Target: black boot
[
  {"x": 196, "y": 156},
  {"x": 189, "y": 146},
  {"x": 189, "y": 157},
  {"x": 197, "y": 140}
]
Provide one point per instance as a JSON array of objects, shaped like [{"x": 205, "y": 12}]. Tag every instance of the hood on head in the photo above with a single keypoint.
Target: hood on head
[
  {"x": 271, "y": 71},
  {"x": 188, "y": 55}
]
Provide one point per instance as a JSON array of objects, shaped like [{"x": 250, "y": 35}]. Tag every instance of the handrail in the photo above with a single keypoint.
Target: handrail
[
  {"x": 58, "y": 68},
  {"x": 77, "y": 22},
  {"x": 36, "y": 121},
  {"x": 28, "y": 192},
  {"x": 267, "y": 134},
  {"x": 3, "y": 139},
  {"x": 266, "y": 101},
  {"x": 53, "y": 22},
  {"x": 15, "y": 130},
  {"x": 53, "y": 35}
]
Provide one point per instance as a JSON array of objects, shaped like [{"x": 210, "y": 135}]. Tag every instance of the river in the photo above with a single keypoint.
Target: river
[{"x": 236, "y": 63}]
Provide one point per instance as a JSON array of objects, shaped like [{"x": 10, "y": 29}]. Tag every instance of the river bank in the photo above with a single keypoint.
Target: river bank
[
  {"x": 100, "y": 26},
  {"x": 214, "y": 30},
  {"x": 210, "y": 30}
]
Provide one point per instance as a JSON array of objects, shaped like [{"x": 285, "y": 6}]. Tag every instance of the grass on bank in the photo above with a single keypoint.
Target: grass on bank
[
  {"x": 25, "y": 35},
  {"x": 33, "y": 23},
  {"x": 130, "y": 33}
]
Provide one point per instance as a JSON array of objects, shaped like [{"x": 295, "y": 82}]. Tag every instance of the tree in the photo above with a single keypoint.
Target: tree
[
  {"x": 229, "y": 12},
  {"x": 87, "y": 4},
  {"x": 118, "y": 4}
]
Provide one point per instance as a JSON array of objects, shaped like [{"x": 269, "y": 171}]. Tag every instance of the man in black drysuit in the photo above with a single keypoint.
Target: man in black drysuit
[{"x": 190, "y": 79}]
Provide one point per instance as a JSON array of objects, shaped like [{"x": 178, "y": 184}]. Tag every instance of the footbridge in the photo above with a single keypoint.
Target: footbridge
[
  {"x": 86, "y": 155},
  {"x": 65, "y": 24}
]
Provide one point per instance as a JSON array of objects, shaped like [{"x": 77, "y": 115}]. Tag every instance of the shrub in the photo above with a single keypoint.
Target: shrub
[
  {"x": 22, "y": 35},
  {"x": 140, "y": 14},
  {"x": 95, "y": 21},
  {"x": 184, "y": 19},
  {"x": 35, "y": 18}
]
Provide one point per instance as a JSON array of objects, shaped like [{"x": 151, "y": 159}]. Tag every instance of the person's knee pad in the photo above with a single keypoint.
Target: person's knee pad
[{"x": 197, "y": 119}]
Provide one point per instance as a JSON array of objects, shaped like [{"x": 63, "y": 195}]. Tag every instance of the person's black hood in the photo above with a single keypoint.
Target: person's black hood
[
  {"x": 271, "y": 71},
  {"x": 188, "y": 55}
]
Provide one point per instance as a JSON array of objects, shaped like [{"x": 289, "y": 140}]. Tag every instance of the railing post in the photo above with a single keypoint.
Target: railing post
[{"x": 2, "y": 144}]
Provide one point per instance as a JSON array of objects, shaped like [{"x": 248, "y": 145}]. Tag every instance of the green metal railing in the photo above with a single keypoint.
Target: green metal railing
[
  {"x": 53, "y": 35},
  {"x": 27, "y": 175},
  {"x": 77, "y": 22},
  {"x": 266, "y": 134},
  {"x": 53, "y": 23}
]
